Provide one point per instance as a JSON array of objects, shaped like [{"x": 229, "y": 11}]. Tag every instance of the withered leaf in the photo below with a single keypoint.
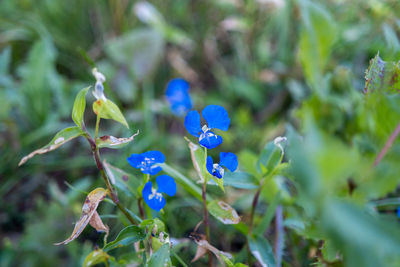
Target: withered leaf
[
  {"x": 88, "y": 211},
  {"x": 223, "y": 212},
  {"x": 203, "y": 246},
  {"x": 58, "y": 140},
  {"x": 114, "y": 142}
]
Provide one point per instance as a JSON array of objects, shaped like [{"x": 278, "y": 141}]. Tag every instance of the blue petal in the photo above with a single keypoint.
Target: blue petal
[
  {"x": 166, "y": 184},
  {"x": 154, "y": 156},
  {"x": 228, "y": 160},
  {"x": 192, "y": 123},
  {"x": 209, "y": 164},
  {"x": 216, "y": 117},
  {"x": 146, "y": 161},
  {"x": 177, "y": 95},
  {"x": 210, "y": 140},
  {"x": 219, "y": 172},
  {"x": 398, "y": 212},
  {"x": 135, "y": 160},
  {"x": 154, "y": 200}
]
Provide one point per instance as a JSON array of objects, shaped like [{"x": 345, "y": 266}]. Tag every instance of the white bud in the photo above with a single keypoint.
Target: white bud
[
  {"x": 278, "y": 142},
  {"x": 98, "y": 76}
]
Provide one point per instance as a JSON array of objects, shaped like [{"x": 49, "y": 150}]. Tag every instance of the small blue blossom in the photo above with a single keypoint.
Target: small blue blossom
[
  {"x": 147, "y": 161},
  {"x": 216, "y": 117},
  {"x": 154, "y": 197},
  {"x": 398, "y": 212},
  {"x": 226, "y": 159},
  {"x": 178, "y": 97}
]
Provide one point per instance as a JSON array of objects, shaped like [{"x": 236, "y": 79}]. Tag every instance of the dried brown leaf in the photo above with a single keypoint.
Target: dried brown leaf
[{"x": 88, "y": 211}]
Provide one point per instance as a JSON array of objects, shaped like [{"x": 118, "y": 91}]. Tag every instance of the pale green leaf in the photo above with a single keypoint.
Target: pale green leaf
[
  {"x": 262, "y": 251},
  {"x": 78, "y": 109},
  {"x": 160, "y": 257},
  {"x": 96, "y": 257},
  {"x": 109, "y": 110}
]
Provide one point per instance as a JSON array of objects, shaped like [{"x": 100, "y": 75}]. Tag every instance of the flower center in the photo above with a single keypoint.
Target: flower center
[
  {"x": 155, "y": 194},
  {"x": 218, "y": 170}
]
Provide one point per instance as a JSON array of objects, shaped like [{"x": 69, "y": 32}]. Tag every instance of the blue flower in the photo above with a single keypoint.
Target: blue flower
[
  {"x": 398, "y": 212},
  {"x": 216, "y": 117},
  {"x": 178, "y": 97},
  {"x": 154, "y": 197},
  {"x": 226, "y": 159},
  {"x": 147, "y": 161}
]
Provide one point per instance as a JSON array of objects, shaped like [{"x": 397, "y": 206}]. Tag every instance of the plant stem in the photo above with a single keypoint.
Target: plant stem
[
  {"x": 278, "y": 235},
  {"x": 205, "y": 220},
  {"x": 388, "y": 145},
  {"x": 96, "y": 133},
  {"x": 252, "y": 212},
  {"x": 100, "y": 166}
]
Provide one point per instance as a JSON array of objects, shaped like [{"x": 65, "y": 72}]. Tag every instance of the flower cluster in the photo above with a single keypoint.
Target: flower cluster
[
  {"x": 147, "y": 163},
  {"x": 216, "y": 117}
]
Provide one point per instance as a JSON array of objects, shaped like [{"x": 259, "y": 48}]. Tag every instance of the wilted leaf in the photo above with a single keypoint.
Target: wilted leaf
[
  {"x": 79, "y": 107},
  {"x": 202, "y": 248},
  {"x": 262, "y": 251},
  {"x": 88, "y": 210},
  {"x": 98, "y": 224},
  {"x": 95, "y": 257},
  {"x": 223, "y": 212},
  {"x": 59, "y": 139},
  {"x": 127, "y": 236},
  {"x": 109, "y": 110},
  {"x": 114, "y": 142},
  {"x": 160, "y": 257}
]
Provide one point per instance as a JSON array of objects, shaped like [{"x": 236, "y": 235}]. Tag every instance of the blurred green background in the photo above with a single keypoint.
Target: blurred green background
[{"x": 268, "y": 62}]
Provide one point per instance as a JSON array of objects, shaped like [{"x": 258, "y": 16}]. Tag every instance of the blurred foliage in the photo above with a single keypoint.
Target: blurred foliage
[{"x": 280, "y": 67}]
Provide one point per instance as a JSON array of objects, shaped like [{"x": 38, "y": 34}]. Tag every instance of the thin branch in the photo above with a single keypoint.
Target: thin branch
[{"x": 388, "y": 145}]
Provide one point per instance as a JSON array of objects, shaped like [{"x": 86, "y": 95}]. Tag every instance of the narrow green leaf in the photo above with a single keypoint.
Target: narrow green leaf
[
  {"x": 223, "y": 212},
  {"x": 183, "y": 181},
  {"x": 242, "y": 180},
  {"x": 262, "y": 251},
  {"x": 267, "y": 217},
  {"x": 59, "y": 139},
  {"x": 79, "y": 107},
  {"x": 109, "y": 110},
  {"x": 160, "y": 258},
  {"x": 127, "y": 236}
]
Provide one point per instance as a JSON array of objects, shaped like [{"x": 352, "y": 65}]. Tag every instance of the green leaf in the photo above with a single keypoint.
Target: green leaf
[
  {"x": 365, "y": 239},
  {"x": 127, "y": 236},
  {"x": 271, "y": 156},
  {"x": 242, "y": 180},
  {"x": 262, "y": 251},
  {"x": 199, "y": 163},
  {"x": 223, "y": 212},
  {"x": 59, "y": 139},
  {"x": 318, "y": 35},
  {"x": 109, "y": 110},
  {"x": 114, "y": 142},
  {"x": 79, "y": 107},
  {"x": 96, "y": 257},
  {"x": 160, "y": 258},
  {"x": 183, "y": 181}
]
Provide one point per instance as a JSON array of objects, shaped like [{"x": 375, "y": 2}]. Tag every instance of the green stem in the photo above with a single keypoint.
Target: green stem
[
  {"x": 96, "y": 133},
  {"x": 252, "y": 212},
  {"x": 100, "y": 166},
  {"x": 206, "y": 219}
]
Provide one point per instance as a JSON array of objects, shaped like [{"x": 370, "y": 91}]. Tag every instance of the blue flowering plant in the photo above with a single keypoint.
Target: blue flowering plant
[
  {"x": 149, "y": 164},
  {"x": 178, "y": 97}
]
